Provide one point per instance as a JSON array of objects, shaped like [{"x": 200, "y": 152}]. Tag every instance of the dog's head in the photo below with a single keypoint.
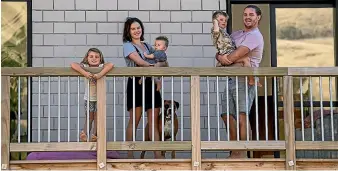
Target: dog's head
[{"x": 169, "y": 107}]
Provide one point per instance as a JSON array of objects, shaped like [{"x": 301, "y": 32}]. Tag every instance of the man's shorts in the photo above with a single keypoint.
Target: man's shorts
[
  {"x": 242, "y": 104},
  {"x": 92, "y": 106}
]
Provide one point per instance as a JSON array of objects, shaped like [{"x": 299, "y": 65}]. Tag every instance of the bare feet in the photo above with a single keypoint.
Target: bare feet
[{"x": 83, "y": 136}]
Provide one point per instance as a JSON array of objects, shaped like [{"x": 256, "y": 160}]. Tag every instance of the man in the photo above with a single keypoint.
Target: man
[{"x": 249, "y": 42}]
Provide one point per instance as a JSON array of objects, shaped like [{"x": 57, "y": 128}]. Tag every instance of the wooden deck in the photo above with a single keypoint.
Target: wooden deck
[{"x": 289, "y": 145}]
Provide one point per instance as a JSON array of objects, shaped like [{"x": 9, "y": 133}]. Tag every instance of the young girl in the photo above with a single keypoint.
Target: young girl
[{"x": 93, "y": 58}]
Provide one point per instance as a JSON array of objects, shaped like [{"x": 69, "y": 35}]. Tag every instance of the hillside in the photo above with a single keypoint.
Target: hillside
[
  {"x": 305, "y": 39},
  {"x": 298, "y": 23}
]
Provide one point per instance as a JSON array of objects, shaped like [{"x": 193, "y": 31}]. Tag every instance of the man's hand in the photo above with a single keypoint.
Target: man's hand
[{"x": 223, "y": 59}]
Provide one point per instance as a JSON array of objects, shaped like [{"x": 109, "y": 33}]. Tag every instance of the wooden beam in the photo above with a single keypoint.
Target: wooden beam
[
  {"x": 195, "y": 104},
  {"x": 316, "y": 145},
  {"x": 243, "y": 164},
  {"x": 91, "y": 146},
  {"x": 172, "y": 145},
  {"x": 317, "y": 164},
  {"x": 148, "y": 160},
  {"x": 313, "y": 71},
  {"x": 53, "y": 165},
  {"x": 148, "y": 71},
  {"x": 243, "y": 145},
  {"x": 289, "y": 124},
  {"x": 146, "y": 165},
  {"x": 51, "y": 161},
  {"x": 175, "y": 164},
  {"x": 101, "y": 125},
  {"x": 176, "y": 71},
  {"x": 5, "y": 122},
  {"x": 53, "y": 146},
  {"x": 150, "y": 146}
]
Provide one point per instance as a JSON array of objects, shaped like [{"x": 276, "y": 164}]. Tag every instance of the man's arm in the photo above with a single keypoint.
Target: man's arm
[
  {"x": 250, "y": 42},
  {"x": 239, "y": 53}
]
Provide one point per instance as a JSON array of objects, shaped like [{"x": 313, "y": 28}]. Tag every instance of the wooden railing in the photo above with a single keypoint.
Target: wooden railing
[{"x": 195, "y": 145}]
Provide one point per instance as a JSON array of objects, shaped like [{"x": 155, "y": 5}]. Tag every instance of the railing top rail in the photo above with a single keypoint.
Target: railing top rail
[
  {"x": 313, "y": 71},
  {"x": 175, "y": 71}
]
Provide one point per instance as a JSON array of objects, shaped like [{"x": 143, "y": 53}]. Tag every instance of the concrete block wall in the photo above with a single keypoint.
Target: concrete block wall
[{"x": 63, "y": 30}]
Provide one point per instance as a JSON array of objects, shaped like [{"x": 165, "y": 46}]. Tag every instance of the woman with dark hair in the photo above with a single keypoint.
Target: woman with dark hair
[{"x": 133, "y": 52}]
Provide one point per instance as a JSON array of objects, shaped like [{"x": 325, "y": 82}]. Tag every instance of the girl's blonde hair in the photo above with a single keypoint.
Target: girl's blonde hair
[
  {"x": 218, "y": 13},
  {"x": 96, "y": 50}
]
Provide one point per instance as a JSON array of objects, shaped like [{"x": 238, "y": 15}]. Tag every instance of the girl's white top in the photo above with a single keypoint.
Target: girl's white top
[{"x": 92, "y": 87}]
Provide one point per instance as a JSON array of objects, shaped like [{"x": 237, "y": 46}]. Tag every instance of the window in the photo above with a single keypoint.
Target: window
[
  {"x": 304, "y": 38},
  {"x": 15, "y": 52}
]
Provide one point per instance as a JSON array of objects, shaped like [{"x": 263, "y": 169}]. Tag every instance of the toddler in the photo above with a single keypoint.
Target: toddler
[
  {"x": 157, "y": 55},
  {"x": 224, "y": 43},
  {"x": 93, "y": 58}
]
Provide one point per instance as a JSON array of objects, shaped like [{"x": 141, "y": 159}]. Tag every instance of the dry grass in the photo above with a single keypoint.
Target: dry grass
[
  {"x": 315, "y": 52},
  {"x": 299, "y": 23},
  {"x": 305, "y": 17},
  {"x": 308, "y": 53}
]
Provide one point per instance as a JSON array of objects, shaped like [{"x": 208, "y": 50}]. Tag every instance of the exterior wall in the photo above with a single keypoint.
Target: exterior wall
[{"x": 64, "y": 29}]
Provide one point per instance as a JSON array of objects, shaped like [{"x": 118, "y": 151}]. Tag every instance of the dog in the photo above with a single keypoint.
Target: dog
[{"x": 167, "y": 125}]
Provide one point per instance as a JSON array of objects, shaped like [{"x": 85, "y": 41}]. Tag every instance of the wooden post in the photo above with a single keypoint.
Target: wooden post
[
  {"x": 5, "y": 121},
  {"x": 289, "y": 126},
  {"x": 195, "y": 123},
  {"x": 101, "y": 125}
]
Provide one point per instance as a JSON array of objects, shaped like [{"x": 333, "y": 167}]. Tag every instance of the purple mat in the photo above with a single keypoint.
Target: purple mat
[{"x": 69, "y": 155}]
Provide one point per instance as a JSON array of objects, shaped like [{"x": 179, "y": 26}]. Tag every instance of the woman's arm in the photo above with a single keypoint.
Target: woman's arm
[
  {"x": 106, "y": 68},
  {"x": 138, "y": 60},
  {"x": 77, "y": 67},
  {"x": 129, "y": 51}
]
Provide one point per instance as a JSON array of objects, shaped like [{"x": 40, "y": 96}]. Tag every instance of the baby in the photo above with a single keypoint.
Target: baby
[
  {"x": 157, "y": 55},
  {"x": 224, "y": 43}
]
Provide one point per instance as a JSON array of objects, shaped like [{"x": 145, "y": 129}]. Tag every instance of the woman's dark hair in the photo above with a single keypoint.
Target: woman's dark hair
[
  {"x": 257, "y": 9},
  {"x": 126, "y": 29}
]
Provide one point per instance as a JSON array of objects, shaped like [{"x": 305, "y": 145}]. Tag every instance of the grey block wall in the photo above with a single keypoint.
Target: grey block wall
[{"x": 63, "y": 30}]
